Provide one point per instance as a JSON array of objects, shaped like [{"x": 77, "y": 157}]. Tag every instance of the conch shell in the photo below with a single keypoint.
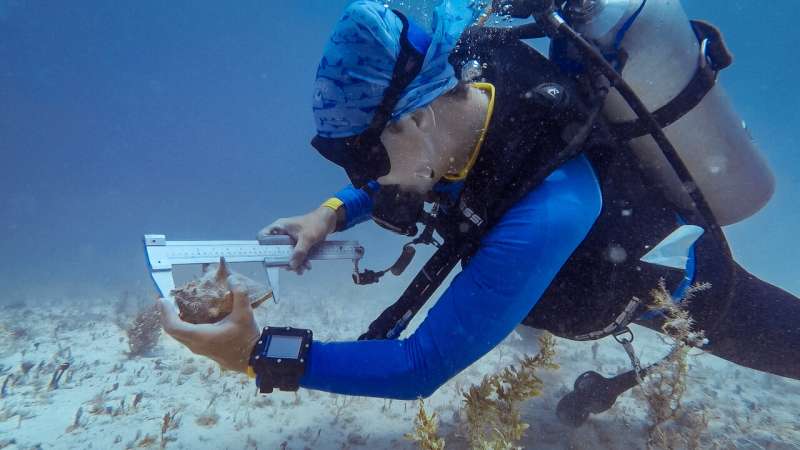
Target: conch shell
[{"x": 208, "y": 299}]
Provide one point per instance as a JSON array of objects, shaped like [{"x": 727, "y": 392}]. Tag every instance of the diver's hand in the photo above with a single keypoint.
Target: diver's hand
[
  {"x": 229, "y": 342},
  {"x": 306, "y": 230}
]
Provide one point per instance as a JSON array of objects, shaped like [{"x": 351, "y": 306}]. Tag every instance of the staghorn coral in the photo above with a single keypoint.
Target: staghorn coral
[
  {"x": 208, "y": 300},
  {"x": 426, "y": 430},
  {"x": 665, "y": 384}
]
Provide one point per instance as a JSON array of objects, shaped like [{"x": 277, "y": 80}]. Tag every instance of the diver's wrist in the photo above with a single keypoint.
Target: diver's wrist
[{"x": 329, "y": 217}]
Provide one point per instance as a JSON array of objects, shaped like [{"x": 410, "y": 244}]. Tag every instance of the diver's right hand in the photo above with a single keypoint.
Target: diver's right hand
[{"x": 306, "y": 231}]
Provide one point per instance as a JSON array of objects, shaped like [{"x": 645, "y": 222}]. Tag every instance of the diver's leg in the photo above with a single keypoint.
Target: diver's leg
[{"x": 759, "y": 329}]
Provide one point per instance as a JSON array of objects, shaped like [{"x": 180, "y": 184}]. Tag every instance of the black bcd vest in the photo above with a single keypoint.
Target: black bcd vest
[{"x": 536, "y": 107}]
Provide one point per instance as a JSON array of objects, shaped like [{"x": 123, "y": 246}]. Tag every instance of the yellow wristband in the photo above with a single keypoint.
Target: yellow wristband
[
  {"x": 333, "y": 203},
  {"x": 250, "y": 372}
]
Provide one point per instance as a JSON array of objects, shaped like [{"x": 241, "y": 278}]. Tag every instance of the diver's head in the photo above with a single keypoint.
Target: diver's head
[
  {"x": 379, "y": 103},
  {"x": 376, "y": 91}
]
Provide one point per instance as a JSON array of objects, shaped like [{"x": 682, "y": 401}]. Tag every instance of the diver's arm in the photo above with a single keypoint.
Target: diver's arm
[{"x": 516, "y": 262}]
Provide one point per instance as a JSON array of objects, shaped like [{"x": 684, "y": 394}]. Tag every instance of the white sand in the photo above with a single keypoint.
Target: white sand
[{"x": 218, "y": 410}]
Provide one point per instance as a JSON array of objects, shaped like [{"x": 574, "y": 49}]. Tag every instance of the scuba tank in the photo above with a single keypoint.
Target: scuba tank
[{"x": 662, "y": 54}]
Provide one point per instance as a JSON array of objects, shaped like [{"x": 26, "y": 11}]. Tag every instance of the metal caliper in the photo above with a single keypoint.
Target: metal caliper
[{"x": 273, "y": 251}]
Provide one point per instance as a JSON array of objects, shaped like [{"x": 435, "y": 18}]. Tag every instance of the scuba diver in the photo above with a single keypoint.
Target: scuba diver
[{"x": 538, "y": 179}]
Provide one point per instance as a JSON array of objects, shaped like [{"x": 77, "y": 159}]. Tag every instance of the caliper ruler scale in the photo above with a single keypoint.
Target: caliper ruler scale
[{"x": 274, "y": 252}]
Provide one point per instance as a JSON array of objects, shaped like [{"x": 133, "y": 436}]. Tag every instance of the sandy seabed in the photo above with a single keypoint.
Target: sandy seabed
[{"x": 123, "y": 401}]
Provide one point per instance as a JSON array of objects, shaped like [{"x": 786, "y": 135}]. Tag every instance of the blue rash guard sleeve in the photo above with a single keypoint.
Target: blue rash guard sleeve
[
  {"x": 357, "y": 204},
  {"x": 514, "y": 265}
]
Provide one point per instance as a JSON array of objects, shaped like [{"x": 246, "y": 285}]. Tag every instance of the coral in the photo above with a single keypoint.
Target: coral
[
  {"x": 144, "y": 331},
  {"x": 426, "y": 430},
  {"x": 665, "y": 384},
  {"x": 208, "y": 300}
]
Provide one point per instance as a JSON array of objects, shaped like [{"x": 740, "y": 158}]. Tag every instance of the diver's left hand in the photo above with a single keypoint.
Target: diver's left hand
[{"x": 228, "y": 342}]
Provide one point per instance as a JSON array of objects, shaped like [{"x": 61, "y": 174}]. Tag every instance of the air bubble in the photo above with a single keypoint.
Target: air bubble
[
  {"x": 425, "y": 173},
  {"x": 616, "y": 254},
  {"x": 471, "y": 71}
]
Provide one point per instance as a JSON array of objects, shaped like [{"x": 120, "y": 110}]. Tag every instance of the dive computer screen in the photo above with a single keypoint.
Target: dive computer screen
[{"x": 284, "y": 346}]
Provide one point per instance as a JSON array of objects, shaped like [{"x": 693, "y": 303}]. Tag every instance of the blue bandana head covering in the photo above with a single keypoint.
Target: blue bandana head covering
[{"x": 359, "y": 59}]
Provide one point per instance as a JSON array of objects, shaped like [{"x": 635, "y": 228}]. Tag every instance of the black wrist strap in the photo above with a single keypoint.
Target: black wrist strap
[{"x": 282, "y": 367}]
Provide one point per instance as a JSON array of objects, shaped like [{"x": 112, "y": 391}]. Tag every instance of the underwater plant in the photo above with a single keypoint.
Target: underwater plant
[
  {"x": 143, "y": 332},
  {"x": 76, "y": 421},
  {"x": 169, "y": 422},
  {"x": 57, "y": 374},
  {"x": 493, "y": 417},
  {"x": 426, "y": 429},
  {"x": 11, "y": 336},
  {"x": 494, "y": 421},
  {"x": 665, "y": 384},
  {"x": 207, "y": 419}
]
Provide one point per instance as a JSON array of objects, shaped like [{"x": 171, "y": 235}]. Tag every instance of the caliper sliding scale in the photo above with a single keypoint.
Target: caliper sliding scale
[{"x": 273, "y": 251}]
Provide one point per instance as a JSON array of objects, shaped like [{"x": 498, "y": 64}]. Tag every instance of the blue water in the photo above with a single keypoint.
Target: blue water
[{"x": 193, "y": 118}]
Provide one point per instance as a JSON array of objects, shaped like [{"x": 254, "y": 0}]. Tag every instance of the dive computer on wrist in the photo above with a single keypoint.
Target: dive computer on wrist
[{"x": 279, "y": 358}]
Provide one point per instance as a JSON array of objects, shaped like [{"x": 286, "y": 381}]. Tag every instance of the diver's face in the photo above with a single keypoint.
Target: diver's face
[{"x": 412, "y": 147}]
